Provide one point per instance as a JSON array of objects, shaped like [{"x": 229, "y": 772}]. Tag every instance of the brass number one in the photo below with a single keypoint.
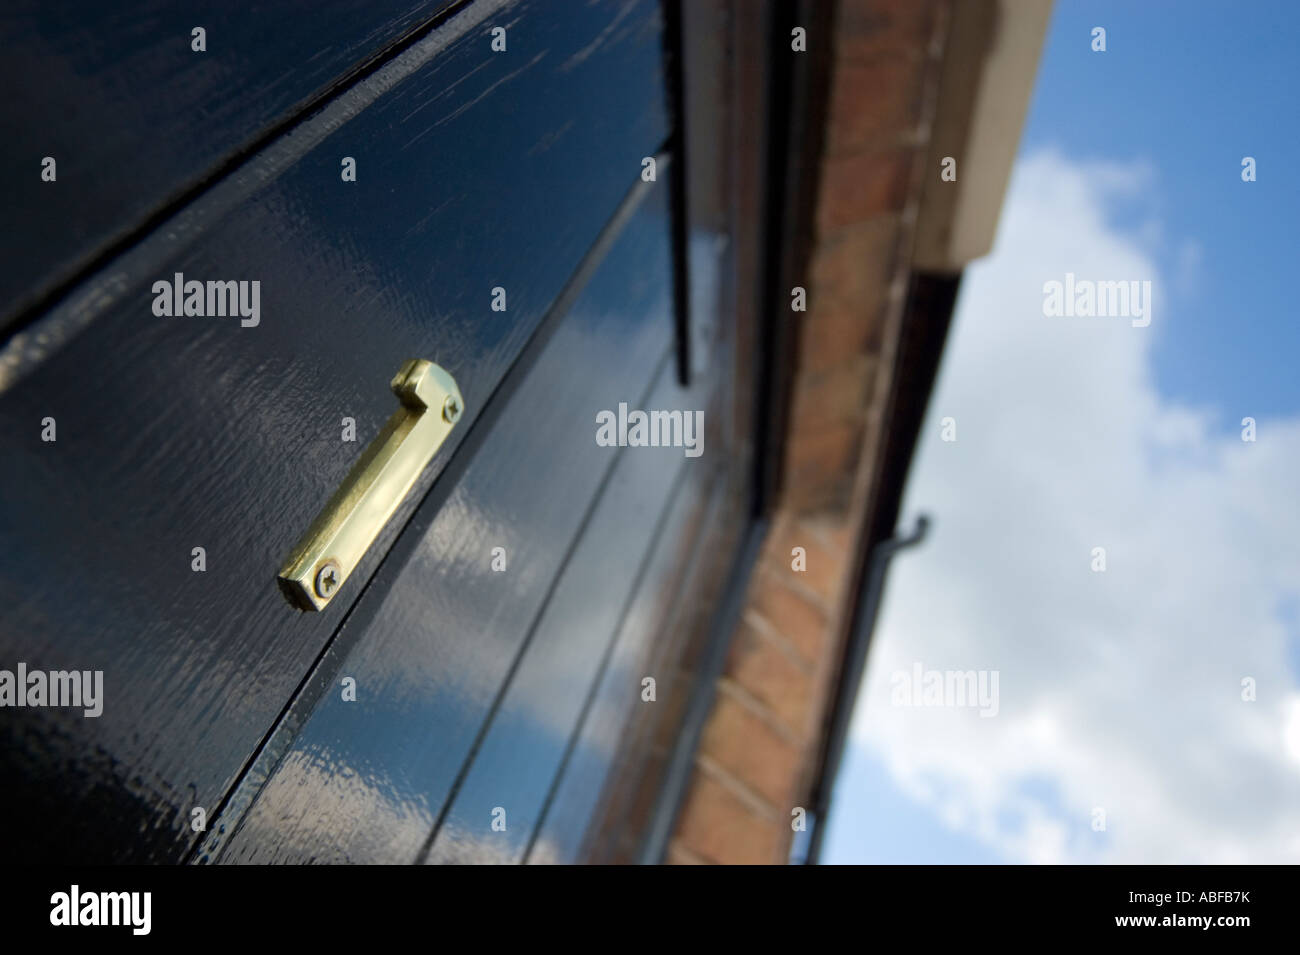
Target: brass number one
[{"x": 376, "y": 485}]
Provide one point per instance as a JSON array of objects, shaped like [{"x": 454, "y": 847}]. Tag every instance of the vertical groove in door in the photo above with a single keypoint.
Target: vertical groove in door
[
  {"x": 661, "y": 524},
  {"x": 673, "y": 56},
  {"x": 592, "y": 506}
]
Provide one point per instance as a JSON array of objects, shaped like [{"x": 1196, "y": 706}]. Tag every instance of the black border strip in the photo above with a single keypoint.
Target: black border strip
[
  {"x": 673, "y": 57},
  {"x": 798, "y": 91}
]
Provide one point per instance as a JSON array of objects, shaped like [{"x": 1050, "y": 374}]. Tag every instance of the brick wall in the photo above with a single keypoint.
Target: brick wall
[{"x": 761, "y": 743}]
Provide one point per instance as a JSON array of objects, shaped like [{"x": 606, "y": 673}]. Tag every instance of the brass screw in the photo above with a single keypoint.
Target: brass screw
[
  {"x": 451, "y": 409},
  {"x": 328, "y": 579}
]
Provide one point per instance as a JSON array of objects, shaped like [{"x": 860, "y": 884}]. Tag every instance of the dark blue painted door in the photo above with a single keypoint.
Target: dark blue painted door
[{"x": 458, "y": 182}]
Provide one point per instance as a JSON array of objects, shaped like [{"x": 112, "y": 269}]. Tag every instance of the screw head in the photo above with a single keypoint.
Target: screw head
[
  {"x": 328, "y": 578},
  {"x": 451, "y": 409}
]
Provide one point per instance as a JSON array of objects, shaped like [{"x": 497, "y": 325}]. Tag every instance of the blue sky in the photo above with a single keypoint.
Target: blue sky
[
  {"x": 1120, "y": 689},
  {"x": 1191, "y": 88}
]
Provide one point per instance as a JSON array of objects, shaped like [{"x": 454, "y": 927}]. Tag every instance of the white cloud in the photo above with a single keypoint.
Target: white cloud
[{"x": 1119, "y": 690}]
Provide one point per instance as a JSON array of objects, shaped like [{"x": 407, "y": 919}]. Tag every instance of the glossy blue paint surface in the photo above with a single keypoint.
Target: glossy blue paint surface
[
  {"x": 461, "y": 667},
  {"x": 475, "y": 170},
  {"x": 134, "y": 116}
]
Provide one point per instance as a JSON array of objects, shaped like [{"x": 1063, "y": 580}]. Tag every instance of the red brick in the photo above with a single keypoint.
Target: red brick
[
  {"x": 720, "y": 827},
  {"x": 838, "y": 394},
  {"x": 832, "y": 530},
  {"x": 748, "y": 748},
  {"x": 860, "y": 187},
  {"x": 790, "y": 613},
  {"x": 852, "y": 266},
  {"x": 829, "y": 335},
  {"x": 824, "y": 566},
  {"x": 763, "y": 669},
  {"x": 819, "y": 465},
  {"x": 874, "y": 103},
  {"x": 865, "y": 28}
]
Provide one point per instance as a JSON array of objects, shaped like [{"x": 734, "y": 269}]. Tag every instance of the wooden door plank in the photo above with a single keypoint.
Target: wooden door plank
[
  {"x": 364, "y": 781},
  {"x": 134, "y": 117},
  {"x": 595, "y": 745},
  {"x": 475, "y": 171},
  {"x": 523, "y": 746}
]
